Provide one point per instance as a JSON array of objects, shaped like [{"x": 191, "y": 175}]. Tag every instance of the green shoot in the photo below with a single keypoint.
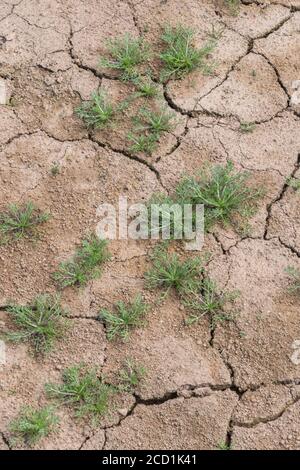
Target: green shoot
[
  {"x": 123, "y": 318},
  {"x": 33, "y": 424},
  {"x": 130, "y": 376},
  {"x": 82, "y": 390},
  {"x": 127, "y": 53},
  {"x": 20, "y": 220},
  {"x": 85, "y": 264},
  {"x": 40, "y": 324},
  {"x": 97, "y": 113},
  {"x": 180, "y": 56}
]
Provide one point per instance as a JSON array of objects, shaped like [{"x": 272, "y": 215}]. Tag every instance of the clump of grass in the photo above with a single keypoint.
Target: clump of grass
[
  {"x": 82, "y": 390},
  {"x": 180, "y": 56},
  {"x": 33, "y": 424},
  {"x": 223, "y": 446},
  {"x": 247, "y": 127},
  {"x": 20, "y": 220},
  {"x": 123, "y": 318},
  {"x": 40, "y": 324},
  {"x": 224, "y": 192},
  {"x": 84, "y": 265},
  {"x": 154, "y": 122},
  {"x": 130, "y": 376},
  {"x": 294, "y": 274},
  {"x": 208, "y": 301},
  {"x": 293, "y": 183},
  {"x": 233, "y": 6},
  {"x": 97, "y": 113},
  {"x": 145, "y": 87},
  {"x": 169, "y": 272},
  {"x": 127, "y": 54},
  {"x": 149, "y": 126},
  {"x": 55, "y": 169},
  {"x": 142, "y": 143}
]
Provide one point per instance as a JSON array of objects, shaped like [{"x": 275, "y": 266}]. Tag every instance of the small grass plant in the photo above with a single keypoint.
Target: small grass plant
[
  {"x": 32, "y": 424},
  {"x": 294, "y": 275},
  {"x": 170, "y": 272},
  {"x": 208, "y": 301},
  {"x": 99, "y": 112},
  {"x": 85, "y": 264},
  {"x": 127, "y": 54},
  {"x": 123, "y": 318},
  {"x": 247, "y": 127},
  {"x": 82, "y": 390},
  {"x": 294, "y": 183},
  {"x": 39, "y": 324},
  {"x": 225, "y": 193},
  {"x": 180, "y": 56},
  {"x": 130, "y": 376},
  {"x": 149, "y": 126},
  {"x": 233, "y": 6},
  {"x": 18, "y": 221}
]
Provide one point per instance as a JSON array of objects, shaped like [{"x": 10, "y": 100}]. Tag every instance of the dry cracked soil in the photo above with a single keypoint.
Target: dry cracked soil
[{"x": 236, "y": 385}]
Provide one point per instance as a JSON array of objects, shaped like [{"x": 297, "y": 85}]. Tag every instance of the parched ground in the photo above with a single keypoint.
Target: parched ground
[{"x": 237, "y": 385}]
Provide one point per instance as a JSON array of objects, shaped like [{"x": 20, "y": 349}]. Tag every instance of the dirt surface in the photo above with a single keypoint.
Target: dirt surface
[{"x": 236, "y": 384}]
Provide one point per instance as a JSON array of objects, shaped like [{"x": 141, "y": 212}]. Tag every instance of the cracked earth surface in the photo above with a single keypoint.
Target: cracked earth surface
[{"x": 237, "y": 384}]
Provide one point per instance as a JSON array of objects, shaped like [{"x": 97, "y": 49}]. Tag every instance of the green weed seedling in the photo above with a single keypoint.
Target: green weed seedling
[
  {"x": 142, "y": 143},
  {"x": 146, "y": 88},
  {"x": 40, "y": 324},
  {"x": 247, "y": 127},
  {"x": 180, "y": 56},
  {"x": 82, "y": 390},
  {"x": 123, "y": 318},
  {"x": 98, "y": 113},
  {"x": 224, "y": 192},
  {"x": 154, "y": 122},
  {"x": 169, "y": 272},
  {"x": 233, "y": 6},
  {"x": 127, "y": 54},
  {"x": 33, "y": 424},
  {"x": 85, "y": 264},
  {"x": 19, "y": 221},
  {"x": 294, "y": 183},
  {"x": 130, "y": 376},
  {"x": 208, "y": 301},
  {"x": 294, "y": 275}
]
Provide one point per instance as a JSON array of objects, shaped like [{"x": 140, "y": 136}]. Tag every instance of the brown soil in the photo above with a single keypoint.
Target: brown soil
[{"x": 237, "y": 384}]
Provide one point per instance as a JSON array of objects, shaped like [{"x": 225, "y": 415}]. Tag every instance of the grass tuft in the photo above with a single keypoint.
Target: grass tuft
[
  {"x": 233, "y": 6},
  {"x": 33, "y": 424},
  {"x": 224, "y": 192},
  {"x": 85, "y": 264},
  {"x": 130, "y": 376},
  {"x": 207, "y": 301},
  {"x": 146, "y": 88},
  {"x": 82, "y": 390},
  {"x": 247, "y": 127},
  {"x": 180, "y": 56},
  {"x": 97, "y": 113},
  {"x": 19, "y": 221},
  {"x": 40, "y": 324},
  {"x": 149, "y": 126},
  {"x": 169, "y": 271},
  {"x": 127, "y": 54},
  {"x": 142, "y": 143},
  {"x": 123, "y": 318},
  {"x": 294, "y": 275},
  {"x": 294, "y": 183}
]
